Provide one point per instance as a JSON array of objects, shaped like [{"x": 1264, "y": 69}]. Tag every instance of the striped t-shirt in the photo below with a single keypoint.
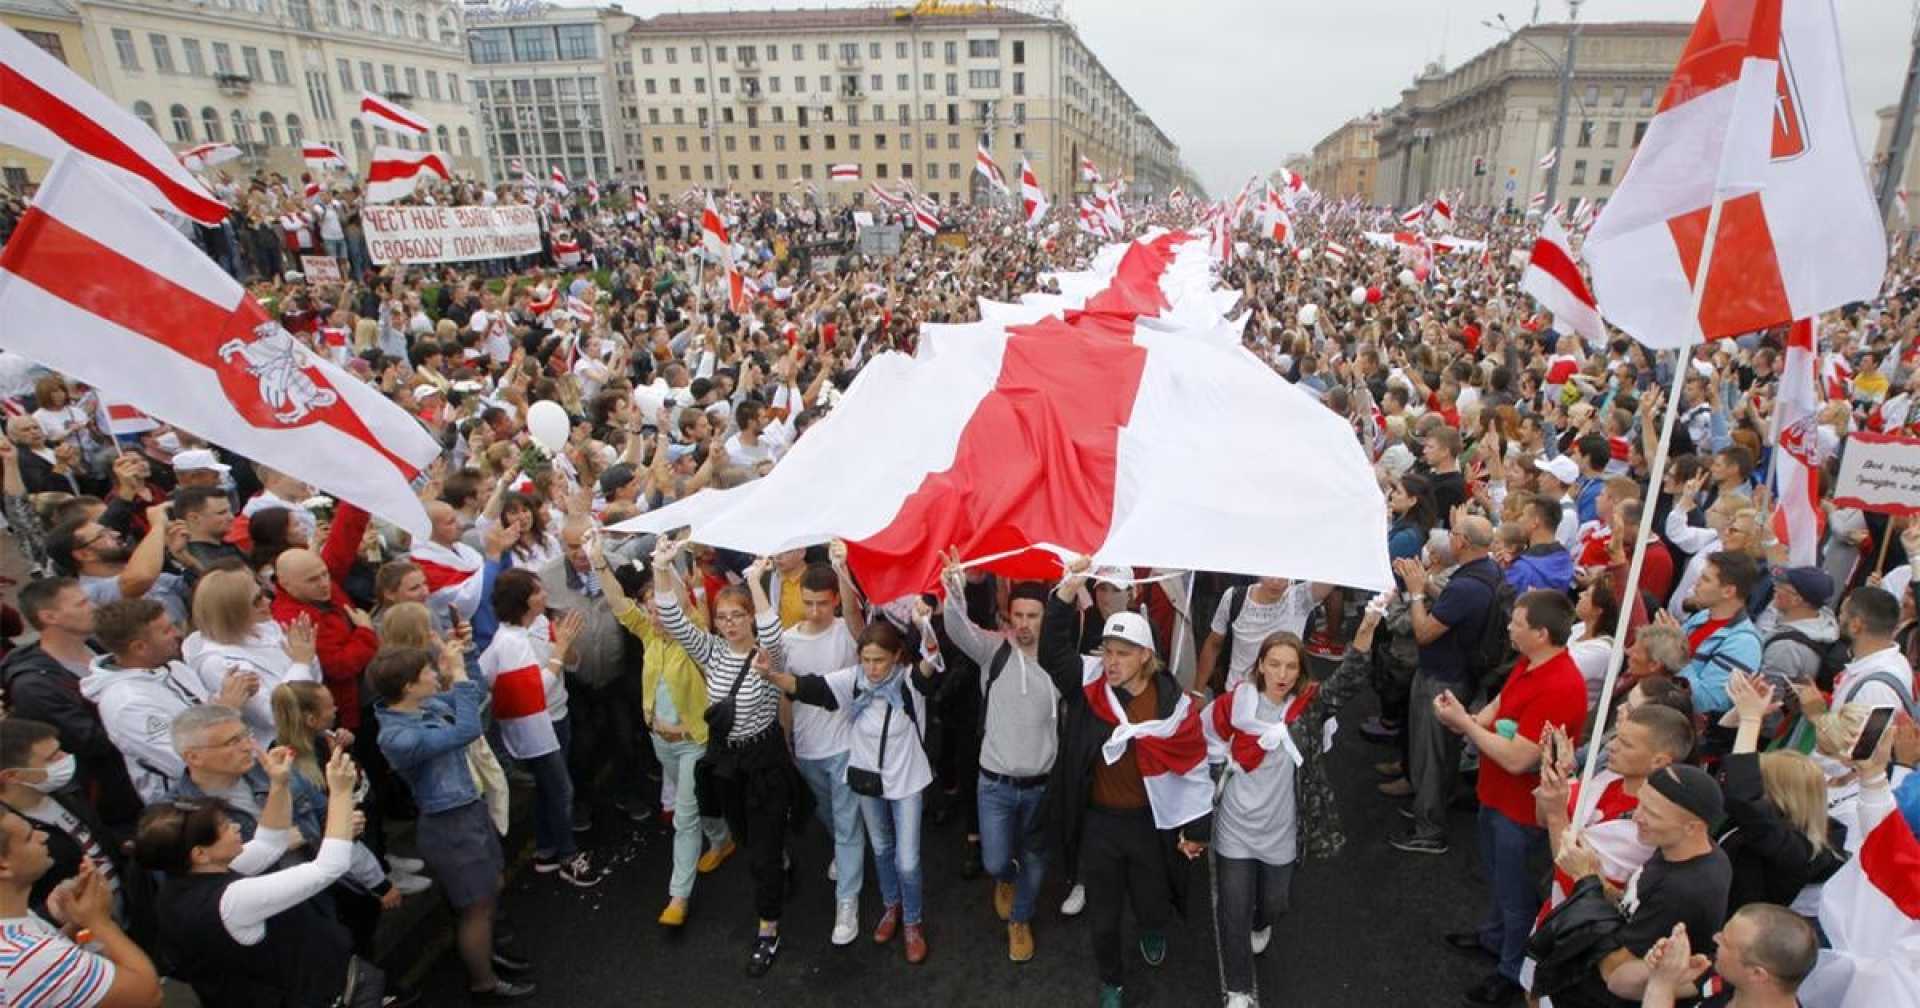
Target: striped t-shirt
[
  {"x": 757, "y": 705},
  {"x": 40, "y": 968}
]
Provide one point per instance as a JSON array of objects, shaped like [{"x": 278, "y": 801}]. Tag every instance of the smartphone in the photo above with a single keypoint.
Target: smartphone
[{"x": 1879, "y": 719}]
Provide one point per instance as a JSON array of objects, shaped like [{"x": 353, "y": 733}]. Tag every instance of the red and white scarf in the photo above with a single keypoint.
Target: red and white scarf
[
  {"x": 454, "y": 575},
  {"x": 1609, "y": 830},
  {"x": 1171, "y": 752},
  {"x": 1234, "y": 729}
]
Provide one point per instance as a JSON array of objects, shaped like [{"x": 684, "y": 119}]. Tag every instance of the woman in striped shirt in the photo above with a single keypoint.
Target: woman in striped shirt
[{"x": 747, "y": 775}]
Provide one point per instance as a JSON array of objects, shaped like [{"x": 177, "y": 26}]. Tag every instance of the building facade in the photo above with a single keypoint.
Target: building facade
[
  {"x": 1343, "y": 163},
  {"x": 541, "y": 78},
  {"x": 1480, "y": 129},
  {"x": 767, "y": 101},
  {"x": 1909, "y": 172},
  {"x": 267, "y": 75},
  {"x": 53, "y": 25}
]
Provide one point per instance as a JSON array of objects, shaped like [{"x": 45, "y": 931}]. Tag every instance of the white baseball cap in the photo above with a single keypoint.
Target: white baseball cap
[
  {"x": 198, "y": 459},
  {"x": 1563, "y": 468},
  {"x": 1130, "y": 627}
]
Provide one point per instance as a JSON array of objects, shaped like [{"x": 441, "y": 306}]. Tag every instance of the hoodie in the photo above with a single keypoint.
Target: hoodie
[
  {"x": 39, "y": 687},
  {"x": 1785, "y": 657},
  {"x": 138, "y": 707},
  {"x": 1547, "y": 565},
  {"x": 264, "y": 654}
]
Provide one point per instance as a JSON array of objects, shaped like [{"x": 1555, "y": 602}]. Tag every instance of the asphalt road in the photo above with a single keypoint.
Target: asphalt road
[{"x": 1364, "y": 930}]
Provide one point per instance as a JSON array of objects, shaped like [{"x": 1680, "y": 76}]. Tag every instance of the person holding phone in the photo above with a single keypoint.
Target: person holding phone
[{"x": 1777, "y": 832}]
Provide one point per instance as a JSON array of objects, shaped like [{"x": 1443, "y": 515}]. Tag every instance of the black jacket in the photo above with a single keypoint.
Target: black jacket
[
  {"x": 38, "y": 687},
  {"x": 66, "y": 851},
  {"x": 1772, "y": 860},
  {"x": 1070, "y": 787}
]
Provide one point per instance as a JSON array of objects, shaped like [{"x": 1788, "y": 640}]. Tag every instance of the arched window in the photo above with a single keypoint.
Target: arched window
[
  {"x": 242, "y": 128},
  {"x": 446, "y": 30},
  {"x": 466, "y": 143},
  {"x": 182, "y": 123},
  {"x": 269, "y": 130},
  {"x": 359, "y": 138},
  {"x": 144, "y": 112},
  {"x": 294, "y": 135},
  {"x": 378, "y": 18},
  {"x": 446, "y": 142},
  {"x": 353, "y": 16},
  {"x": 210, "y": 124},
  {"x": 420, "y": 26}
]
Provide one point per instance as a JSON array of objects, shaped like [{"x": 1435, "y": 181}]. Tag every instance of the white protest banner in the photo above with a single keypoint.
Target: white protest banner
[
  {"x": 320, "y": 269},
  {"x": 1879, "y": 472},
  {"x": 429, "y": 234}
]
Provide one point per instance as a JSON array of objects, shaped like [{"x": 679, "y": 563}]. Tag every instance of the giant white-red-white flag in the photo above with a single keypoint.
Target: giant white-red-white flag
[
  {"x": 1033, "y": 199},
  {"x": 49, "y": 110},
  {"x": 984, "y": 163},
  {"x": 1870, "y": 909},
  {"x": 1013, "y": 440},
  {"x": 95, "y": 287},
  {"x": 395, "y": 174},
  {"x": 1797, "y": 518},
  {"x": 1755, "y": 115},
  {"x": 1554, "y": 280},
  {"x": 392, "y": 115}
]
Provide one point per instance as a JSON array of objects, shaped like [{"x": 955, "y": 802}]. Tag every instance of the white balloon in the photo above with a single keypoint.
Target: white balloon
[
  {"x": 548, "y": 424},
  {"x": 1359, "y": 295},
  {"x": 1309, "y": 314},
  {"x": 1408, "y": 279}
]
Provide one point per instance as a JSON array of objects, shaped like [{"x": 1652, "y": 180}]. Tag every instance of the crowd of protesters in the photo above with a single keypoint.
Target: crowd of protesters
[{"x": 231, "y": 702}]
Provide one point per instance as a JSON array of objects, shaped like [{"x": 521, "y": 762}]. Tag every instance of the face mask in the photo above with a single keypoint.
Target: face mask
[
  {"x": 59, "y": 775},
  {"x": 168, "y": 442}
]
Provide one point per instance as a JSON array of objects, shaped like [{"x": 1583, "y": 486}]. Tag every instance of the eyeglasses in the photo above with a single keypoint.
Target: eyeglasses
[
  {"x": 105, "y": 533},
  {"x": 243, "y": 737}
]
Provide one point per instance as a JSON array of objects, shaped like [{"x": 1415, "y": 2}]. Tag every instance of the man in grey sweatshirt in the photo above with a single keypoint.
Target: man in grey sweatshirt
[{"x": 1804, "y": 629}]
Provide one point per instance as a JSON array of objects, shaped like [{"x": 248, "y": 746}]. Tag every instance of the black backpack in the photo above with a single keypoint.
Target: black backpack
[
  {"x": 1235, "y": 600},
  {"x": 1832, "y": 655},
  {"x": 1493, "y": 652}
]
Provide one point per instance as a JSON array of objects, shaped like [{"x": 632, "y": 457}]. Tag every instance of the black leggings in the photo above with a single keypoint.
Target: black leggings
[{"x": 1248, "y": 895}]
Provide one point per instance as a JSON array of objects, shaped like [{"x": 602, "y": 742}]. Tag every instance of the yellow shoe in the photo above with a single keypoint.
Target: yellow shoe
[
  {"x": 716, "y": 857},
  {"x": 1003, "y": 899},
  {"x": 675, "y": 914},
  {"x": 1019, "y": 942}
]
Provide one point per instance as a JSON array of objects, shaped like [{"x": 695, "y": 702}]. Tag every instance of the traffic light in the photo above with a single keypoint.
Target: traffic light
[{"x": 1479, "y": 165}]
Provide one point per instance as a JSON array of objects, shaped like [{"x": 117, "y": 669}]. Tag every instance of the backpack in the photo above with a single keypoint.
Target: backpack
[
  {"x": 994, "y": 667},
  {"x": 1493, "y": 652},
  {"x": 1235, "y": 600},
  {"x": 1830, "y": 656},
  {"x": 1893, "y": 682}
]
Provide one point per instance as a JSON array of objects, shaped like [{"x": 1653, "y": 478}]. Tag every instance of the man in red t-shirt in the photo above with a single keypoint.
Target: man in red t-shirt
[{"x": 1545, "y": 688}]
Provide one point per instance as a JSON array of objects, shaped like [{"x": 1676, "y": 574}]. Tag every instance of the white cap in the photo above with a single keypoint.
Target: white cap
[
  {"x": 425, "y": 389},
  {"x": 196, "y": 460},
  {"x": 1130, "y": 627},
  {"x": 1563, "y": 468},
  {"x": 1119, "y": 577}
]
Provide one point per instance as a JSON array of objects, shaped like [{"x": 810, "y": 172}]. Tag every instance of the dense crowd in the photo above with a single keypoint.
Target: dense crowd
[{"x": 231, "y": 703}]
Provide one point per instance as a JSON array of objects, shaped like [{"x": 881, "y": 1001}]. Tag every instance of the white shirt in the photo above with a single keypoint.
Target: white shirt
[
  {"x": 1850, "y": 685},
  {"x": 819, "y": 733},
  {"x": 907, "y": 771},
  {"x": 1260, "y": 620}
]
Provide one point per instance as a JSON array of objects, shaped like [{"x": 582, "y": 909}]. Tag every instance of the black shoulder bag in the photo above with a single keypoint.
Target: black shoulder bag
[{"x": 871, "y": 783}]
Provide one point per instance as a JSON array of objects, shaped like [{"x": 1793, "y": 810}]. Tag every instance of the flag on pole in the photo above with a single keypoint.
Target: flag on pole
[
  {"x": 119, "y": 419},
  {"x": 1441, "y": 214},
  {"x": 1549, "y": 159},
  {"x": 1900, "y": 203},
  {"x": 206, "y": 155},
  {"x": 886, "y": 198},
  {"x": 1797, "y": 518},
  {"x": 926, "y": 220},
  {"x": 1554, "y": 280},
  {"x": 96, "y": 288},
  {"x": 1538, "y": 201},
  {"x": 1756, "y": 117},
  {"x": 49, "y": 110},
  {"x": 1177, "y": 196},
  {"x": 517, "y": 166},
  {"x": 394, "y": 173},
  {"x": 1336, "y": 252},
  {"x": 558, "y": 179},
  {"x": 593, "y": 193},
  {"x": 983, "y": 163},
  {"x": 392, "y": 115},
  {"x": 1033, "y": 200},
  {"x": 713, "y": 233},
  {"x": 844, "y": 172},
  {"x": 1414, "y": 217},
  {"x": 1089, "y": 172},
  {"x": 1870, "y": 909},
  {"x": 321, "y": 157}
]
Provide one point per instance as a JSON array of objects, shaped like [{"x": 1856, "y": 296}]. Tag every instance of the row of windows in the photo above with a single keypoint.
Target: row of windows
[
  {"x": 574, "y": 167},
  {"x": 1590, "y": 96},
  {"x": 541, "y": 89},
  {"x": 983, "y": 113},
  {"x": 193, "y": 61},
  {"x": 780, "y": 172},
  {"x": 1604, "y": 176},
  {"x": 846, "y": 52},
  {"x": 374, "y": 18},
  {"x": 844, "y": 84},
  {"x": 828, "y": 141},
  {"x": 535, "y": 44},
  {"x": 1612, "y": 134},
  {"x": 539, "y": 144},
  {"x": 406, "y": 81},
  {"x": 265, "y": 129}
]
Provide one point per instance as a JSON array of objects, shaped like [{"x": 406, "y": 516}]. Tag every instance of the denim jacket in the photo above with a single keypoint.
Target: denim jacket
[
  {"x": 428, "y": 748},
  {"x": 309, "y": 804}
]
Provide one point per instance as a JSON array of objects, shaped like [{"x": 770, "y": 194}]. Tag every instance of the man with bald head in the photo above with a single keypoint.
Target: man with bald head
[
  {"x": 1448, "y": 627},
  {"x": 460, "y": 579},
  {"x": 310, "y": 585}
]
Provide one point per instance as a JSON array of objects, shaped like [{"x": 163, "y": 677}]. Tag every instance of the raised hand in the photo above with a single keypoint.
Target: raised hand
[{"x": 299, "y": 645}]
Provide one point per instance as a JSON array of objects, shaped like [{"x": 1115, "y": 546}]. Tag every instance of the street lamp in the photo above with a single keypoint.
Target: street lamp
[{"x": 1565, "y": 65}]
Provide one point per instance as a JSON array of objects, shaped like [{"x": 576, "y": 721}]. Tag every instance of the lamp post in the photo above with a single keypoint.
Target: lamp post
[{"x": 1566, "y": 92}]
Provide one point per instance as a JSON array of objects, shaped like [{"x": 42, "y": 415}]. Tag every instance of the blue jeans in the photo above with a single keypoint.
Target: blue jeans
[
  {"x": 839, "y": 811},
  {"x": 336, "y": 247},
  {"x": 1506, "y": 847},
  {"x": 677, "y": 760},
  {"x": 1012, "y": 843},
  {"x": 553, "y": 799},
  {"x": 893, "y": 824}
]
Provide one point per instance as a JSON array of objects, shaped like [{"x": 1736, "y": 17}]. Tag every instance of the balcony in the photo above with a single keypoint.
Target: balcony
[
  {"x": 747, "y": 68},
  {"x": 848, "y": 61},
  {"x": 234, "y": 84},
  {"x": 752, "y": 95},
  {"x": 397, "y": 97},
  {"x": 855, "y": 93}
]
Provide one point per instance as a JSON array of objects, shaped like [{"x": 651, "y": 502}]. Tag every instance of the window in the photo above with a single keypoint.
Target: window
[
  {"x": 726, "y": 143},
  {"x": 706, "y": 173},
  {"x": 1579, "y": 173},
  {"x": 353, "y": 16},
  {"x": 779, "y": 114},
  {"x": 653, "y": 116},
  {"x": 387, "y": 77},
  {"x": 1019, "y": 113},
  {"x": 433, "y": 84},
  {"x": 686, "y": 173},
  {"x": 673, "y": 85},
  {"x": 953, "y": 85},
  {"x": 453, "y": 88},
  {"x": 694, "y": 54},
  {"x": 699, "y": 85},
  {"x": 820, "y": 51},
  {"x": 753, "y": 142},
  {"x": 366, "y": 76},
  {"x": 720, "y": 54},
  {"x": 250, "y": 58},
  {"x": 880, "y": 169},
  {"x": 849, "y": 52},
  {"x": 773, "y": 53},
  {"x": 726, "y": 85},
  {"x": 773, "y": 84},
  {"x": 294, "y": 134},
  {"x": 413, "y": 81},
  {"x": 780, "y": 171},
  {"x": 182, "y": 123},
  {"x": 1019, "y": 53},
  {"x": 926, "y": 82},
  {"x": 933, "y": 141},
  {"x": 488, "y": 45},
  {"x": 359, "y": 136},
  {"x": 196, "y": 64},
  {"x": 532, "y": 45},
  {"x": 926, "y": 111},
  {"x": 1585, "y": 138},
  {"x": 278, "y": 61},
  {"x": 873, "y": 50},
  {"x": 162, "y": 53},
  {"x": 906, "y": 141},
  {"x": 679, "y": 117},
  {"x": 680, "y": 144},
  {"x": 210, "y": 125},
  {"x": 1020, "y": 141},
  {"x": 578, "y": 42},
  {"x": 1619, "y": 96},
  {"x": 222, "y": 58},
  {"x": 1646, "y": 96},
  {"x": 466, "y": 142},
  {"x": 377, "y": 17},
  {"x": 828, "y": 142},
  {"x": 50, "y": 44},
  {"x": 983, "y": 78},
  {"x": 933, "y": 168},
  {"x": 853, "y": 141},
  {"x": 926, "y": 50},
  {"x": 144, "y": 112},
  {"x": 420, "y": 29},
  {"x": 953, "y": 53},
  {"x": 269, "y": 130},
  {"x": 1606, "y": 173},
  {"x": 1639, "y": 132},
  {"x": 779, "y": 140},
  {"x": 123, "y": 44},
  {"x": 983, "y": 48},
  {"x": 726, "y": 116},
  {"x": 1613, "y": 134},
  {"x": 651, "y": 88},
  {"x": 1591, "y": 95},
  {"x": 806, "y": 143},
  {"x": 899, "y": 50},
  {"x": 345, "y": 70},
  {"x": 953, "y": 170}
]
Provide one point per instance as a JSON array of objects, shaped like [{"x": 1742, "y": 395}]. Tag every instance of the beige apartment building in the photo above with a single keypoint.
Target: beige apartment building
[
  {"x": 54, "y": 26},
  {"x": 267, "y": 75},
  {"x": 1342, "y": 164},
  {"x": 1481, "y": 128},
  {"x": 768, "y": 101}
]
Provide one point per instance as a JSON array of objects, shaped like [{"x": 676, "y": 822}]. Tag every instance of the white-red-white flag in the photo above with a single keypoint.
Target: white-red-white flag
[
  {"x": 201, "y": 157},
  {"x": 1549, "y": 159},
  {"x": 321, "y": 157},
  {"x": 1539, "y": 201},
  {"x": 97, "y": 288},
  {"x": 846, "y": 172},
  {"x": 713, "y": 233},
  {"x": 1554, "y": 280},
  {"x": 593, "y": 193},
  {"x": 49, "y": 110},
  {"x": 1033, "y": 199},
  {"x": 1415, "y": 217},
  {"x": 118, "y": 418},
  {"x": 1440, "y": 214},
  {"x": 558, "y": 180},
  {"x": 1089, "y": 172},
  {"x": 926, "y": 219},
  {"x": 1797, "y": 518},
  {"x": 1870, "y": 909},
  {"x": 1755, "y": 116},
  {"x": 886, "y": 198},
  {"x": 1336, "y": 252},
  {"x": 392, "y": 115},
  {"x": 394, "y": 173},
  {"x": 984, "y": 163}
]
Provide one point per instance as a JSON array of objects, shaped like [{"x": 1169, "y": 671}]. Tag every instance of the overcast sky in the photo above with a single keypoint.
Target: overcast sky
[{"x": 1240, "y": 84}]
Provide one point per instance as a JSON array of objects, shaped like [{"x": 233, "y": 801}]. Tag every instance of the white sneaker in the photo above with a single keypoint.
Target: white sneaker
[
  {"x": 833, "y": 871},
  {"x": 1261, "y": 938},
  {"x": 1237, "y": 1000},
  {"x": 846, "y": 922},
  {"x": 1076, "y": 901},
  {"x": 409, "y": 884},
  {"x": 405, "y": 865}
]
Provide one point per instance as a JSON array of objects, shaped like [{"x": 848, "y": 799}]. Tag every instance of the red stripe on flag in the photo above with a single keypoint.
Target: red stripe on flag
[
  {"x": 1890, "y": 857},
  {"x": 440, "y": 575},
  {"x": 1745, "y": 291},
  {"x": 1553, "y": 261},
  {"x": 68, "y": 265},
  {"x": 394, "y": 170},
  {"x": 89, "y": 137},
  {"x": 519, "y": 693},
  {"x": 1728, "y": 32}
]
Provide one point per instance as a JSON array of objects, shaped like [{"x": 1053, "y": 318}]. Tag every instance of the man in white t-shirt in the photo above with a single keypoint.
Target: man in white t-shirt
[
  {"x": 826, "y": 640},
  {"x": 1269, "y": 606},
  {"x": 1878, "y": 675}
]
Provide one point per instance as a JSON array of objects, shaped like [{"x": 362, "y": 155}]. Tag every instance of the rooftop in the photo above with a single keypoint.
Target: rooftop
[
  {"x": 57, "y": 10},
  {"x": 829, "y": 18}
]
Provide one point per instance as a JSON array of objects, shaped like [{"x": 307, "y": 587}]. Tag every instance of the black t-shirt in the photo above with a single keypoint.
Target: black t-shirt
[
  {"x": 1664, "y": 893},
  {"x": 1449, "y": 491}
]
